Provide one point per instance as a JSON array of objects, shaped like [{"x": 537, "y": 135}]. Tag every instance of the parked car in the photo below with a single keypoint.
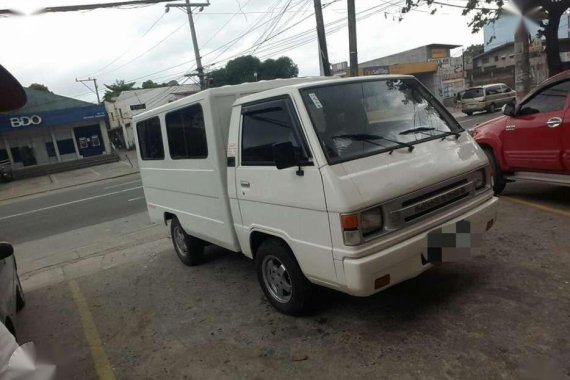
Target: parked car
[
  {"x": 488, "y": 98},
  {"x": 531, "y": 142},
  {"x": 11, "y": 294},
  {"x": 344, "y": 183}
]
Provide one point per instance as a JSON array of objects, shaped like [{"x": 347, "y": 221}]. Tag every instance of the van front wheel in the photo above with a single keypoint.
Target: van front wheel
[
  {"x": 281, "y": 278},
  {"x": 188, "y": 248}
]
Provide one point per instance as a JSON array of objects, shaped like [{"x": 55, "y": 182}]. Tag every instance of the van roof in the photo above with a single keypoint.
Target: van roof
[
  {"x": 321, "y": 82},
  {"x": 486, "y": 85},
  {"x": 244, "y": 88}
]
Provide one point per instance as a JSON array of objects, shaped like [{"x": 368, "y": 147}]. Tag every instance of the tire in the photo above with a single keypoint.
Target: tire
[
  {"x": 189, "y": 249},
  {"x": 499, "y": 181},
  {"x": 281, "y": 278},
  {"x": 492, "y": 108},
  {"x": 468, "y": 113},
  {"x": 20, "y": 299}
]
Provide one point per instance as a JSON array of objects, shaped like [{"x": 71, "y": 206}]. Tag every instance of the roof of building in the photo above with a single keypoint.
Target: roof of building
[
  {"x": 494, "y": 50},
  {"x": 143, "y": 95},
  {"x": 45, "y": 101},
  {"x": 441, "y": 46}
]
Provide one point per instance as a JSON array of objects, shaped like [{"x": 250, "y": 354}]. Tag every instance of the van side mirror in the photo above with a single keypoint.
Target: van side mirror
[
  {"x": 509, "y": 109},
  {"x": 6, "y": 250},
  {"x": 284, "y": 155}
]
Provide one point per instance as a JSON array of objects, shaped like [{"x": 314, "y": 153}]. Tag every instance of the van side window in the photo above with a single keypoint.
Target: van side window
[
  {"x": 264, "y": 127},
  {"x": 186, "y": 133},
  {"x": 550, "y": 99},
  {"x": 150, "y": 139}
]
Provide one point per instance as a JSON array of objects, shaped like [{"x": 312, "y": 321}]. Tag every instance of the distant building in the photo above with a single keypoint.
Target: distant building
[
  {"x": 432, "y": 64},
  {"x": 52, "y": 128},
  {"x": 131, "y": 103},
  {"x": 502, "y": 31}
]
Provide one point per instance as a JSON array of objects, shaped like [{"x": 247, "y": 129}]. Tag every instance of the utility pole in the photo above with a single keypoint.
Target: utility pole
[
  {"x": 352, "y": 48},
  {"x": 188, "y": 6},
  {"x": 323, "y": 51},
  {"x": 94, "y": 83}
]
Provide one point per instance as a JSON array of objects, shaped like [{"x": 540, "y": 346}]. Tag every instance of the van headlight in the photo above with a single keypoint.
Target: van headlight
[
  {"x": 479, "y": 179},
  {"x": 371, "y": 221},
  {"x": 356, "y": 227}
]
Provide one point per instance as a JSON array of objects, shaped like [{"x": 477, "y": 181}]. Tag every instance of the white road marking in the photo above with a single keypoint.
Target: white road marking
[
  {"x": 121, "y": 184},
  {"x": 68, "y": 203},
  {"x": 135, "y": 199}
]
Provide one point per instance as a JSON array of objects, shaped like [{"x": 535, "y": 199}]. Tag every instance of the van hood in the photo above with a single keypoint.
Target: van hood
[{"x": 365, "y": 182}]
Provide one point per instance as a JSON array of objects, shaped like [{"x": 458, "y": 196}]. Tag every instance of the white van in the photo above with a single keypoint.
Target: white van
[{"x": 354, "y": 184}]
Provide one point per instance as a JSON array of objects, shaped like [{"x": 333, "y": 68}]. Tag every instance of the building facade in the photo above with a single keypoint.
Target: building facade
[
  {"x": 51, "y": 128},
  {"x": 431, "y": 64},
  {"x": 130, "y": 103}
]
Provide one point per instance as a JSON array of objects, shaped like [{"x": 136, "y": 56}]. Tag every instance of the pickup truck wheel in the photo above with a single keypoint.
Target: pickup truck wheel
[
  {"x": 188, "y": 248},
  {"x": 281, "y": 278},
  {"x": 20, "y": 300},
  {"x": 499, "y": 181}
]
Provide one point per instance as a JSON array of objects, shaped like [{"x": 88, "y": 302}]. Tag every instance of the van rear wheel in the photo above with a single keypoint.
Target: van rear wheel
[
  {"x": 189, "y": 249},
  {"x": 281, "y": 278},
  {"x": 492, "y": 108}
]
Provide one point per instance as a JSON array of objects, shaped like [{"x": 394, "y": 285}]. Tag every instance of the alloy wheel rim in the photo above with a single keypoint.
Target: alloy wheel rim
[
  {"x": 180, "y": 241},
  {"x": 277, "y": 279}
]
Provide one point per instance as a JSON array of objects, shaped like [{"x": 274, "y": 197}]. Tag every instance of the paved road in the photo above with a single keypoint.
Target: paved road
[
  {"x": 61, "y": 211},
  {"x": 91, "y": 204}
]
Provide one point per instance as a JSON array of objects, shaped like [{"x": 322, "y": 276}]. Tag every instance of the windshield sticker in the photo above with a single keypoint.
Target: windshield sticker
[
  {"x": 232, "y": 150},
  {"x": 315, "y": 100}
]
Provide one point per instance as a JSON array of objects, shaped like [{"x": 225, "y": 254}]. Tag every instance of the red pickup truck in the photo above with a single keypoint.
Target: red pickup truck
[{"x": 531, "y": 142}]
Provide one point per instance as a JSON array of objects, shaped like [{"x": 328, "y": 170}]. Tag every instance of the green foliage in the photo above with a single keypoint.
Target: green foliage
[
  {"x": 115, "y": 89},
  {"x": 245, "y": 69},
  {"x": 151, "y": 84},
  {"x": 474, "y": 50},
  {"x": 39, "y": 87}
]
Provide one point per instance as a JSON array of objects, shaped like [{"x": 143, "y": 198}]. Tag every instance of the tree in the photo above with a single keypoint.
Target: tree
[
  {"x": 39, "y": 87},
  {"x": 547, "y": 13},
  {"x": 250, "y": 69},
  {"x": 115, "y": 89},
  {"x": 151, "y": 84},
  {"x": 474, "y": 50}
]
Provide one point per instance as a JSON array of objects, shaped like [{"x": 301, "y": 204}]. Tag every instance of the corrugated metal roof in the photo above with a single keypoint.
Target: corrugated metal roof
[{"x": 44, "y": 101}]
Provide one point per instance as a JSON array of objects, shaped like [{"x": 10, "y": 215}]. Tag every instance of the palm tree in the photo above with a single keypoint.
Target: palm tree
[{"x": 115, "y": 89}]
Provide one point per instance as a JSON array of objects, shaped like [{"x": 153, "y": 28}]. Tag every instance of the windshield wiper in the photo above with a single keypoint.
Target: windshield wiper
[
  {"x": 369, "y": 139},
  {"x": 427, "y": 129},
  {"x": 416, "y": 130}
]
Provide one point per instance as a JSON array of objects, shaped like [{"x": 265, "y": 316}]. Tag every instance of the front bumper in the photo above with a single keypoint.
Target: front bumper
[{"x": 403, "y": 260}]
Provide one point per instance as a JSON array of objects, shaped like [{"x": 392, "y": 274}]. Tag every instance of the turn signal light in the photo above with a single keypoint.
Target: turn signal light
[{"x": 349, "y": 222}]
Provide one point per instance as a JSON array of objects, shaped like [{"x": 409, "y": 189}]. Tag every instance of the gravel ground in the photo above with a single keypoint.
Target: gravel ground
[{"x": 503, "y": 314}]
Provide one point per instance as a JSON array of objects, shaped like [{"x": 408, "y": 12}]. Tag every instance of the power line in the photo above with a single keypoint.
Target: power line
[
  {"x": 87, "y": 7},
  {"x": 132, "y": 46}
]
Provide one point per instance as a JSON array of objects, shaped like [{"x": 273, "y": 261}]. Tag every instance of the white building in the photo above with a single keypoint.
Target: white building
[{"x": 133, "y": 102}]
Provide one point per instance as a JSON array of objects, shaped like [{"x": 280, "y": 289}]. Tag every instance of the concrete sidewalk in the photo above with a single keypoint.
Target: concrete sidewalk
[{"x": 29, "y": 186}]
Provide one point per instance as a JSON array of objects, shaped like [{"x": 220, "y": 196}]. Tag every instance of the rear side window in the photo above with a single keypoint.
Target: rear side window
[
  {"x": 473, "y": 93},
  {"x": 492, "y": 90},
  {"x": 264, "y": 127},
  {"x": 186, "y": 133},
  {"x": 550, "y": 99},
  {"x": 150, "y": 139}
]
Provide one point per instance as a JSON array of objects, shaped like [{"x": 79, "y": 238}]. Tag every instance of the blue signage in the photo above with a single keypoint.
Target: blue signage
[{"x": 14, "y": 121}]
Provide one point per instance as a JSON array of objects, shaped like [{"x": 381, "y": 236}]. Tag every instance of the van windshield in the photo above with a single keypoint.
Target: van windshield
[
  {"x": 473, "y": 93},
  {"x": 359, "y": 119}
]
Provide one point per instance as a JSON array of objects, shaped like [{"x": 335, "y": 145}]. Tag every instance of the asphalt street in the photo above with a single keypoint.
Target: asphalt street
[
  {"x": 60, "y": 211},
  {"x": 82, "y": 206}
]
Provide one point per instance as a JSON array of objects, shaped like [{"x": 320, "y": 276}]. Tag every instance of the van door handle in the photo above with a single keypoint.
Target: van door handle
[
  {"x": 554, "y": 122},
  {"x": 244, "y": 184}
]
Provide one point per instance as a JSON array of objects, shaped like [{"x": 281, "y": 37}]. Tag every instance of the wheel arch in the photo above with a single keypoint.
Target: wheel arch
[
  {"x": 257, "y": 237},
  {"x": 168, "y": 216}
]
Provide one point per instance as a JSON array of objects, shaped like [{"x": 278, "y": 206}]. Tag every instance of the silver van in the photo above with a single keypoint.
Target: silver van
[{"x": 489, "y": 97}]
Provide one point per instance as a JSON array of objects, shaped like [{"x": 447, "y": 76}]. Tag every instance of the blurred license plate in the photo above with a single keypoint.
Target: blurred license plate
[{"x": 452, "y": 242}]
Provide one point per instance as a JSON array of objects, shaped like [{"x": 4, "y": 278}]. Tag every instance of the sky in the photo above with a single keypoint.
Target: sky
[{"x": 136, "y": 44}]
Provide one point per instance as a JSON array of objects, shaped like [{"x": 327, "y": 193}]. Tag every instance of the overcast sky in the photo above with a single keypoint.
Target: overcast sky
[{"x": 108, "y": 44}]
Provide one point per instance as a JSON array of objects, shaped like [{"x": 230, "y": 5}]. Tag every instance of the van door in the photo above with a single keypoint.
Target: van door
[
  {"x": 534, "y": 137},
  {"x": 282, "y": 202}
]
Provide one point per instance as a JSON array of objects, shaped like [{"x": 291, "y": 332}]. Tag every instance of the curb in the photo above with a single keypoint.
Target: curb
[{"x": 66, "y": 187}]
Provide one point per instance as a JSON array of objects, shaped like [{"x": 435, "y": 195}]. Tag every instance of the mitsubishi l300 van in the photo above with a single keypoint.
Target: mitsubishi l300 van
[{"x": 353, "y": 184}]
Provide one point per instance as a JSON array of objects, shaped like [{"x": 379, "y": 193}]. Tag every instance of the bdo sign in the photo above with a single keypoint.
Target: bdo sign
[{"x": 24, "y": 121}]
